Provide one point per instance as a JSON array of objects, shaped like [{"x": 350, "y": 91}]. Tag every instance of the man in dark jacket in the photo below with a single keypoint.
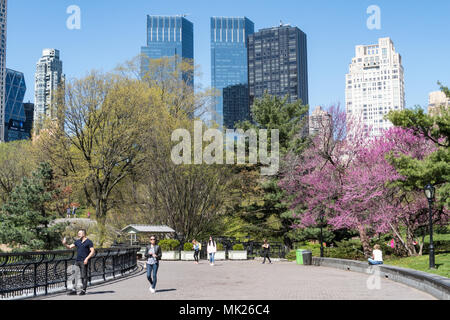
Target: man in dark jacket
[{"x": 153, "y": 254}]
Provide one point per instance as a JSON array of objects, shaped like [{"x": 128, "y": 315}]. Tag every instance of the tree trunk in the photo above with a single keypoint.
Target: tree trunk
[
  {"x": 365, "y": 241},
  {"x": 101, "y": 211}
]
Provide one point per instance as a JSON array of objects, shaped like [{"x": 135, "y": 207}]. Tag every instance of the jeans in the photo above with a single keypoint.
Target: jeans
[
  {"x": 83, "y": 273},
  {"x": 196, "y": 253},
  {"x": 211, "y": 257},
  {"x": 266, "y": 255},
  {"x": 152, "y": 271},
  {"x": 373, "y": 262}
]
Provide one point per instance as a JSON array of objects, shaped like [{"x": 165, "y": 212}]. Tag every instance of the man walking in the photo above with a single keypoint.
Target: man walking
[{"x": 85, "y": 251}]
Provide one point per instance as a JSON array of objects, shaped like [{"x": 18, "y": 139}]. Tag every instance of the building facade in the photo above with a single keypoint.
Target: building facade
[
  {"x": 278, "y": 63},
  {"x": 169, "y": 36},
  {"x": 236, "y": 105},
  {"x": 375, "y": 85},
  {"x": 29, "y": 117},
  {"x": 49, "y": 78},
  {"x": 229, "y": 68},
  {"x": 436, "y": 100},
  {"x": 3, "y": 20},
  {"x": 15, "y": 117},
  {"x": 319, "y": 121}
]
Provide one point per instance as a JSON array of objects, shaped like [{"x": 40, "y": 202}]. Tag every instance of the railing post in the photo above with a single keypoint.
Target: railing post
[
  {"x": 35, "y": 278},
  {"x": 46, "y": 277}
]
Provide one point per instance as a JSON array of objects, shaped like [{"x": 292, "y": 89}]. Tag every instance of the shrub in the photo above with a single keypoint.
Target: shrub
[
  {"x": 188, "y": 246},
  {"x": 169, "y": 244},
  {"x": 238, "y": 247},
  {"x": 351, "y": 250},
  {"x": 219, "y": 247},
  {"x": 291, "y": 255}
]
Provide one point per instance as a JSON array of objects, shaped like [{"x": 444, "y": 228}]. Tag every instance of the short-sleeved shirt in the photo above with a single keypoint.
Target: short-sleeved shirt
[
  {"x": 83, "y": 249},
  {"x": 377, "y": 255}
]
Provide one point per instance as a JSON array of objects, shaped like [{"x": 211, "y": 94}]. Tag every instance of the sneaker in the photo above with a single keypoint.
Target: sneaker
[
  {"x": 152, "y": 290},
  {"x": 82, "y": 293},
  {"x": 72, "y": 293}
]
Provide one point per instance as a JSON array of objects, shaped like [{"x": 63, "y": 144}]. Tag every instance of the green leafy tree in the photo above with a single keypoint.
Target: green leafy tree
[
  {"x": 263, "y": 207},
  {"x": 25, "y": 221},
  {"x": 435, "y": 168}
]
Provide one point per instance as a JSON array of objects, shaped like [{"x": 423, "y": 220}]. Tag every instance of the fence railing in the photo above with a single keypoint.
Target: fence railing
[{"x": 32, "y": 274}]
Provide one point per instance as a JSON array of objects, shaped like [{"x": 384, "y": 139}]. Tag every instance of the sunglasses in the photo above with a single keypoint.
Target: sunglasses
[{"x": 153, "y": 239}]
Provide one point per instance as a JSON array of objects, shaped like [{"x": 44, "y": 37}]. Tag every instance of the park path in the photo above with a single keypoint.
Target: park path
[{"x": 249, "y": 280}]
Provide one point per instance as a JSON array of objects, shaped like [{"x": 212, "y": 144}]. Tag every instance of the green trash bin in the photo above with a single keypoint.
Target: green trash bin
[{"x": 299, "y": 255}]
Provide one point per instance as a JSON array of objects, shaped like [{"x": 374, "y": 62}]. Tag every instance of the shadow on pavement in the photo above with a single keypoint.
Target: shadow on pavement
[
  {"x": 99, "y": 292},
  {"x": 165, "y": 290}
]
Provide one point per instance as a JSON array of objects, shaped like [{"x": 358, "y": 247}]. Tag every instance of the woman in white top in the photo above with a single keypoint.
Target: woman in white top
[
  {"x": 377, "y": 256},
  {"x": 211, "y": 249}
]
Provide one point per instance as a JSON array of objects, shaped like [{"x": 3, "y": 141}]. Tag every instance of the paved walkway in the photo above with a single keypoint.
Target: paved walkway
[{"x": 249, "y": 280}]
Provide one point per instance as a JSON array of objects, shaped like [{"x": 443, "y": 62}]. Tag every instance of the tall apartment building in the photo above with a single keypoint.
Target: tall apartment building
[
  {"x": 436, "y": 100},
  {"x": 319, "y": 121},
  {"x": 375, "y": 85},
  {"x": 48, "y": 78},
  {"x": 15, "y": 117},
  {"x": 169, "y": 36},
  {"x": 29, "y": 117},
  {"x": 229, "y": 68},
  {"x": 278, "y": 63},
  {"x": 3, "y": 20}
]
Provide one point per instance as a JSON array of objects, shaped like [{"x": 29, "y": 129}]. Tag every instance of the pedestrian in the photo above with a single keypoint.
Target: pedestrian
[
  {"x": 377, "y": 256},
  {"x": 153, "y": 254},
  {"x": 74, "y": 211},
  {"x": 89, "y": 215},
  {"x": 68, "y": 212},
  {"x": 197, "y": 248},
  {"x": 85, "y": 251},
  {"x": 211, "y": 249},
  {"x": 266, "y": 250}
]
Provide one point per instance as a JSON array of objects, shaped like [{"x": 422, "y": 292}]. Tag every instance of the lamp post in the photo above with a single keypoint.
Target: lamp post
[
  {"x": 321, "y": 235},
  {"x": 429, "y": 193}
]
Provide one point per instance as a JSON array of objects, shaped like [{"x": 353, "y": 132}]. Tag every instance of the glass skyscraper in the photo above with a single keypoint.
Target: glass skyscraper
[
  {"x": 3, "y": 18},
  {"x": 277, "y": 59},
  {"x": 169, "y": 36},
  {"x": 15, "y": 117},
  {"x": 229, "y": 61}
]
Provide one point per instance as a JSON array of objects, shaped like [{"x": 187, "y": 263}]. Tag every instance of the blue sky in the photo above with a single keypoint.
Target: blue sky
[{"x": 113, "y": 31}]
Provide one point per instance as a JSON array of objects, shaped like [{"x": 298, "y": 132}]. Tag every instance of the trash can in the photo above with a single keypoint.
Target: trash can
[
  {"x": 299, "y": 255},
  {"x": 307, "y": 257}
]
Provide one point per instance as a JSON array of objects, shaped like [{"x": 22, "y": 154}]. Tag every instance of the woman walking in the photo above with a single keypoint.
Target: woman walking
[
  {"x": 153, "y": 254},
  {"x": 211, "y": 249},
  {"x": 196, "y": 250},
  {"x": 266, "y": 250}
]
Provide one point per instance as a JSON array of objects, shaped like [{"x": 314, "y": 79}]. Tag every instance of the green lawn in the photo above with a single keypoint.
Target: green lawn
[{"x": 442, "y": 262}]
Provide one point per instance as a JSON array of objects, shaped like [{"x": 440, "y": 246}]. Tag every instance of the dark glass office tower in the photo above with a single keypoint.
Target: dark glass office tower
[
  {"x": 169, "y": 36},
  {"x": 229, "y": 61},
  {"x": 236, "y": 106},
  {"x": 14, "y": 111},
  {"x": 29, "y": 117},
  {"x": 277, "y": 63}
]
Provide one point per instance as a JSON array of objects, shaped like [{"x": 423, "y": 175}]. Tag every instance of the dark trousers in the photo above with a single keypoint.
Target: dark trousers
[
  {"x": 152, "y": 271},
  {"x": 196, "y": 253},
  {"x": 266, "y": 255},
  {"x": 83, "y": 273}
]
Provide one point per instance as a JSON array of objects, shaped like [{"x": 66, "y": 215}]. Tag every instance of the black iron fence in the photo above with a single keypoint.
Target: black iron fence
[{"x": 31, "y": 274}]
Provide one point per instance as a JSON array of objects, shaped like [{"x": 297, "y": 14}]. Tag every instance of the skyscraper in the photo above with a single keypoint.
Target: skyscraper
[
  {"x": 29, "y": 117},
  {"x": 436, "y": 100},
  {"x": 48, "y": 78},
  {"x": 320, "y": 121},
  {"x": 3, "y": 19},
  {"x": 278, "y": 63},
  {"x": 14, "y": 110},
  {"x": 229, "y": 67},
  {"x": 236, "y": 105},
  {"x": 170, "y": 36},
  {"x": 375, "y": 85}
]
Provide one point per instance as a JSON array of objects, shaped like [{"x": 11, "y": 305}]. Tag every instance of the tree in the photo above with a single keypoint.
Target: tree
[
  {"x": 16, "y": 162},
  {"x": 262, "y": 205},
  {"x": 435, "y": 168},
  {"x": 25, "y": 219}
]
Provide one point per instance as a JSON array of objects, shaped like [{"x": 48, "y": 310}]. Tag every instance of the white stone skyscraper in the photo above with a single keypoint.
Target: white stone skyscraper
[
  {"x": 375, "y": 85},
  {"x": 3, "y": 18},
  {"x": 48, "y": 78}
]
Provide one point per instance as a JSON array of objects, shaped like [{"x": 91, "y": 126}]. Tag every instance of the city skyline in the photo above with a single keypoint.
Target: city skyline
[{"x": 333, "y": 32}]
